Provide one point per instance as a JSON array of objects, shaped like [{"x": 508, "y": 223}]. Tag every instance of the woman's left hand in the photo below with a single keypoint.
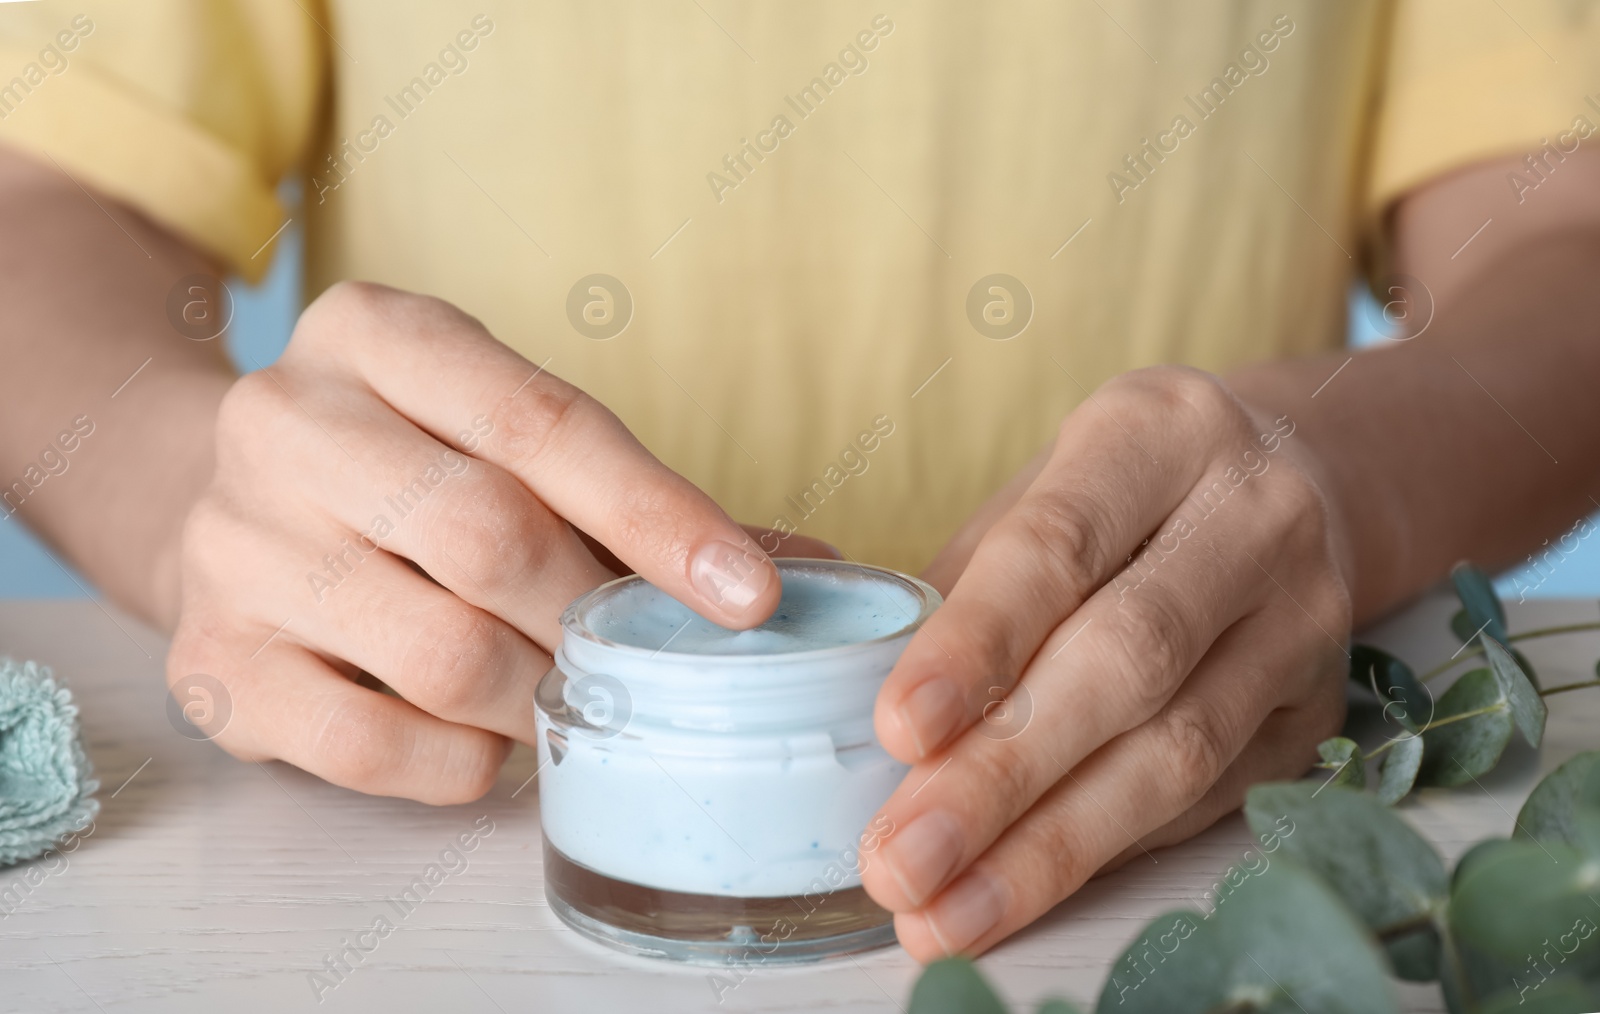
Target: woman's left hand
[{"x": 1147, "y": 621}]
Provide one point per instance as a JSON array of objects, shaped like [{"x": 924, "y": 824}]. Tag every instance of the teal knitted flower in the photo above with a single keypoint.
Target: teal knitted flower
[{"x": 46, "y": 783}]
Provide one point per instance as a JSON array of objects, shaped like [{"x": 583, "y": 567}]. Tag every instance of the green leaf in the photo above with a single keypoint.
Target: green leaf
[
  {"x": 1587, "y": 821},
  {"x": 1405, "y": 699},
  {"x": 1414, "y": 955},
  {"x": 1530, "y": 897},
  {"x": 1476, "y": 854},
  {"x": 953, "y": 986},
  {"x": 1525, "y": 666},
  {"x": 1552, "y": 811},
  {"x": 1462, "y": 626},
  {"x": 1386, "y": 872},
  {"x": 1459, "y": 752},
  {"x": 1057, "y": 1007},
  {"x": 1343, "y": 757},
  {"x": 1465, "y": 971},
  {"x": 1467, "y": 975},
  {"x": 1527, "y": 707},
  {"x": 1400, "y": 767},
  {"x": 1476, "y": 592},
  {"x": 1282, "y": 943}
]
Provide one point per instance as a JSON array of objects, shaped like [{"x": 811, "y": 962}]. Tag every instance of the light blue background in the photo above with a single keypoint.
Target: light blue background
[{"x": 265, "y": 314}]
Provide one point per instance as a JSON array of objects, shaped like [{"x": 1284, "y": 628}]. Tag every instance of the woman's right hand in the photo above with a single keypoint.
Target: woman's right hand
[{"x": 404, "y": 495}]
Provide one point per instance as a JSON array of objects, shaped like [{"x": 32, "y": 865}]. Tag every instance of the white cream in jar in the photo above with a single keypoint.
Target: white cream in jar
[{"x": 699, "y": 786}]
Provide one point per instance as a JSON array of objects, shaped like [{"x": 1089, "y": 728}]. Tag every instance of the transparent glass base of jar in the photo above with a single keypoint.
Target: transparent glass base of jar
[{"x": 710, "y": 929}]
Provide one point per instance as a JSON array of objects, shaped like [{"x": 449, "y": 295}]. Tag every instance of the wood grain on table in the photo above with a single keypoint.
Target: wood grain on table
[{"x": 208, "y": 884}]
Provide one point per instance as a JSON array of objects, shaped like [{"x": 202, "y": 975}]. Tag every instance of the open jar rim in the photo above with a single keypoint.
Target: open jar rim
[{"x": 574, "y": 618}]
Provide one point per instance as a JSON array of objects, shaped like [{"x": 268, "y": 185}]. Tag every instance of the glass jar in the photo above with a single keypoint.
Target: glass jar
[{"x": 705, "y": 793}]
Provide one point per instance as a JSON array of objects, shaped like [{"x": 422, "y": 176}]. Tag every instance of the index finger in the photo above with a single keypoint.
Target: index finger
[{"x": 442, "y": 369}]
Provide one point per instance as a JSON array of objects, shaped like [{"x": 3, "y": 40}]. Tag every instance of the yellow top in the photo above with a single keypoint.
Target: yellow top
[{"x": 799, "y": 208}]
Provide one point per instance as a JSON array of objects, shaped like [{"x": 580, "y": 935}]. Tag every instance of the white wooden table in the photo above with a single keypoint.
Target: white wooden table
[{"x": 209, "y": 884}]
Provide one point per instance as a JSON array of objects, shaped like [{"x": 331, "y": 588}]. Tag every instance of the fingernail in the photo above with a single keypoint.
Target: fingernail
[
  {"x": 923, "y": 853},
  {"x": 930, "y": 713},
  {"x": 972, "y": 907},
  {"x": 729, "y": 577}
]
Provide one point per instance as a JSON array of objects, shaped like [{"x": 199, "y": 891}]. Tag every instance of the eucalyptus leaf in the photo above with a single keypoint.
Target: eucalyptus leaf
[
  {"x": 1479, "y": 852},
  {"x": 1462, "y": 626},
  {"x": 1459, "y": 752},
  {"x": 1057, "y": 1007},
  {"x": 1527, "y": 707},
  {"x": 1467, "y": 973},
  {"x": 1282, "y": 944},
  {"x": 1526, "y": 666},
  {"x": 1587, "y": 821},
  {"x": 1343, "y": 757},
  {"x": 1477, "y": 594},
  {"x": 1386, "y": 872},
  {"x": 1553, "y": 807},
  {"x": 1405, "y": 698},
  {"x": 1414, "y": 955},
  {"x": 1532, "y": 898},
  {"x": 1467, "y": 976},
  {"x": 1400, "y": 767},
  {"x": 953, "y": 986}
]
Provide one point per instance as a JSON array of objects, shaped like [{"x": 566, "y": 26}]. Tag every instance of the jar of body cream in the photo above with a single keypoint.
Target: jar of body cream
[{"x": 706, "y": 793}]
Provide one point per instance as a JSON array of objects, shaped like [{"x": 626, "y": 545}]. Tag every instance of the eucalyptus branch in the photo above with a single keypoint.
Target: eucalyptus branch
[
  {"x": 1365, "y": 876},
  {"x": 1569, "y": 686},
  {"x": 1526, "y": 635},
  {"x": 1448, "y": 664},
  {"x": 1567, "y": 628},
  {"x": 1473, "y": 714},
  {"x": 1463, "y": 716}
]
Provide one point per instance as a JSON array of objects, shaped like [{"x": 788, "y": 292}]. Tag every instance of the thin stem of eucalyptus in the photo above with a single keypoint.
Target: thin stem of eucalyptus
[
  {"x": 1526, "y": 635},
  {"x": 1448, "y": 664},
  {"x": 1474, "y": 714},
  {"x": 1463, "y": 716},
  {"x": 1569, "y": 686}
]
